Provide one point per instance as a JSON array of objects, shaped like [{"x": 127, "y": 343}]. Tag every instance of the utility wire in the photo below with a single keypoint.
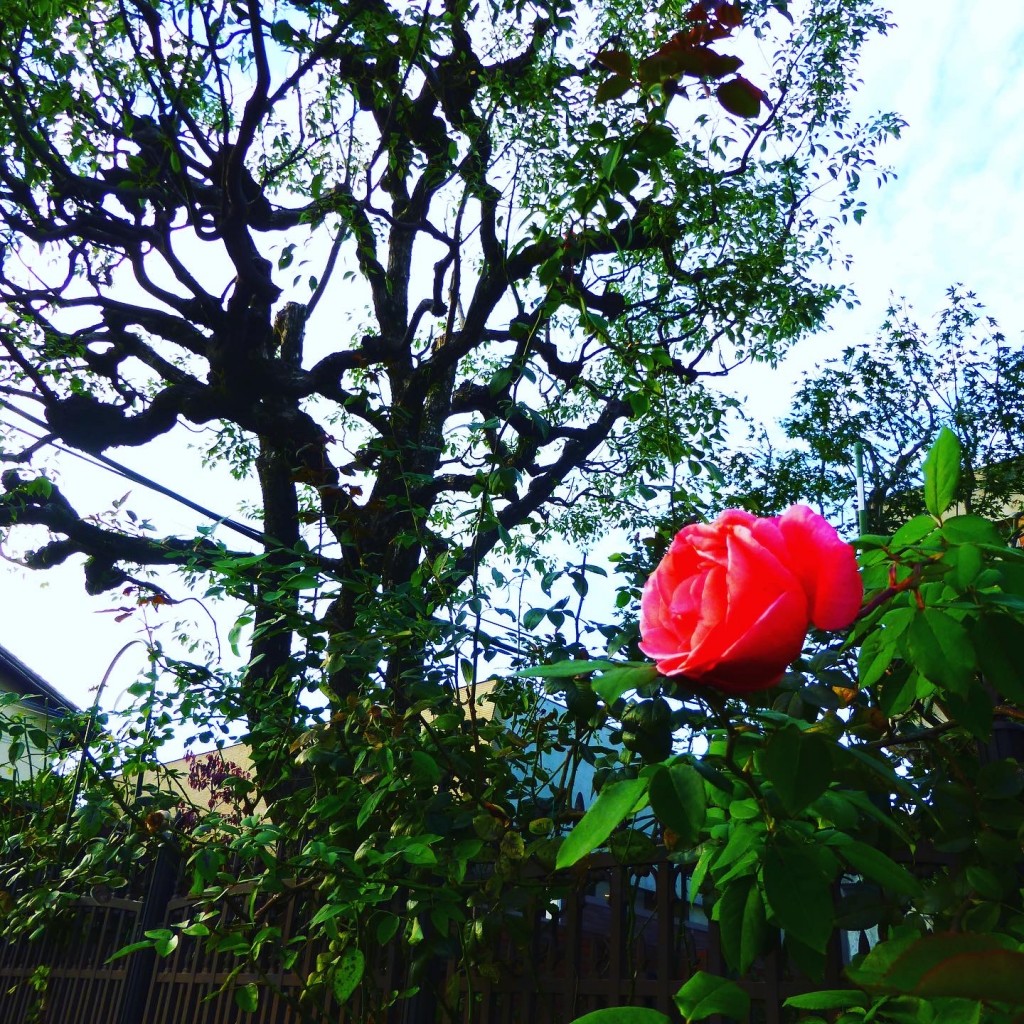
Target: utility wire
[{"x": 104, "y": 462}]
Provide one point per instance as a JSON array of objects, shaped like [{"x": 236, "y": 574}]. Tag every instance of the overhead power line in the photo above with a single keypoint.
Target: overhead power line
[{"x": 111, "y": 466}]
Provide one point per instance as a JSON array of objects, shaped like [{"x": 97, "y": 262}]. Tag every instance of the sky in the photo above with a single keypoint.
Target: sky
[
  {"x": 953, "y": 70},
  {"x": 953, "y": 214}
]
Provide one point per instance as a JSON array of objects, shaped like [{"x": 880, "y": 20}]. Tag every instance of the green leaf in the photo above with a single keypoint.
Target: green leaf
[
  {"x": 617, "y": 680},
  {"x": 623, "y": 1015},
  {"x": 911, "y": 532},
  {"x": 705, "y": 994},
  {"x": 247, "y": 997},
  {"x": 827, "y": 999},
  {"x": 798, "y": 890},
  {"x": 419, "y": 854},
  {"x": 941, "y": 472},
  {"x": 742, "y": 922},
  {"x": 956, "y": 1011},
  {"x": 386, "y": 928},
  {"x": 971, "y": 530},
  {"x": 566, "y": 669},
  {"x": 798, "y": 765},
  {"x": 875, "y": 656},
  {"x": 999, "y": 642},
  {"x": 679, "y": 801},
  {"x": 133, "y": 947},
  {"x": 868, "y": 861},
  {"x": 612, "y": 805},
  {"x": 425, "y": 767},
  {"x": 347, "y": 973},
  {"x": 533, "y": 618},
  {"x": 961, "y": 965},
  {"x": 164, "y": 940},
  {"x": 941, "y": 650}
]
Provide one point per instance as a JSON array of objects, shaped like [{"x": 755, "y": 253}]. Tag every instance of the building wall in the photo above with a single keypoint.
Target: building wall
[{"x": 30, "y": 757}]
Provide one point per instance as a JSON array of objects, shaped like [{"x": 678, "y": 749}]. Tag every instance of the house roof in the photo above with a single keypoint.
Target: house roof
[{"x": 36, "y": 692}]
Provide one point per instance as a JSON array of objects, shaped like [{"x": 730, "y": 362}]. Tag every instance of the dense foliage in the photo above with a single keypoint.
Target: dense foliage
[
  {"x": 891, "y": 396},
  {"x": 443, "y": 283},
  {"x": 881, "y": 786}
]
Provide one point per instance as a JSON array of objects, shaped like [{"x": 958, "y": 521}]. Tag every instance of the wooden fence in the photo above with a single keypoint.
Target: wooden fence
[{"x": 616, "y": 935}]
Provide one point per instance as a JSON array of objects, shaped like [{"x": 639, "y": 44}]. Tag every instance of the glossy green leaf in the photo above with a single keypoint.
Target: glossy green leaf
[
  {"x": 742, "y": 923},
  {"x": 872, "y": 863},
  {"x": 971, "y": 529},
  {"x": 623, "y": 1015},
  {"x": 912, "y": 531},
  {"x": 614, "y": 680},
  {"x": 566, "y": 669},
  {"x": 613, "y": 804},
  {"x": 798, "y": 765},
  {"x": 941, "y": 472},
  {"x": 798, "y": 890},
  {"x": 705, "y": 994},
  {"x": 961, "y": 965},
  {"x": 828, "y": 999},
  {"x": 247, "y": 997},
  {"x": 346, "y": 974},
  {"x": 999, "y": 641},
  {"x": 875, "y": 656},
  {"x": 678, "y": 799},
  {"x": 941, "y": 650}
]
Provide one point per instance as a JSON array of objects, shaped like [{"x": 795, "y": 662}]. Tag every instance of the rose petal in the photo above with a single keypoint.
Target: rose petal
[{"x": 825, "y": 565}]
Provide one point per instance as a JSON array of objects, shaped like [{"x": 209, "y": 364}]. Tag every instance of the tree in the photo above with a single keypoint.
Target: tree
[
  {"x": 544, "y": 234},
  {"x": 892, "y": 396}
]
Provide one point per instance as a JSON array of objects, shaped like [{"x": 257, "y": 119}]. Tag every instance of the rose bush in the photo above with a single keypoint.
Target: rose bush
[{"x": 731, "y": 602}]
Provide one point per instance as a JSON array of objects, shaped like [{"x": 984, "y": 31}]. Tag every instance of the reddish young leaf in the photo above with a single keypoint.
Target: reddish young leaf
[
  {"x": 617, "y": 61},
  {"x": 741, "y": 97},
  {"x": 731, "y": 15},
  {"x": 612, "y": 88}
]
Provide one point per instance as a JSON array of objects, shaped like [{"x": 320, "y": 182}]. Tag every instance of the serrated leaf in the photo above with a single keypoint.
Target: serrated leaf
[
  {"x": 875, "y": 657},
  {"x": 941, "y": 650},
  {"x": 613, "y": 803},
  {"x": 912, "y": 531},
  {"x": 971, "y": 529},
  {"x": 941, "y": 472}
]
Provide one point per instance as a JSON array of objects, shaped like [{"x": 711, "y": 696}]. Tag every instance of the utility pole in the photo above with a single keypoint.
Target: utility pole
[{"x": 862, "y": 505}]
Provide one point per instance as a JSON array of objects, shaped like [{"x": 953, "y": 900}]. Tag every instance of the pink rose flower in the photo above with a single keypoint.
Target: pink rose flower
[{"x": 731, "y": 602}]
